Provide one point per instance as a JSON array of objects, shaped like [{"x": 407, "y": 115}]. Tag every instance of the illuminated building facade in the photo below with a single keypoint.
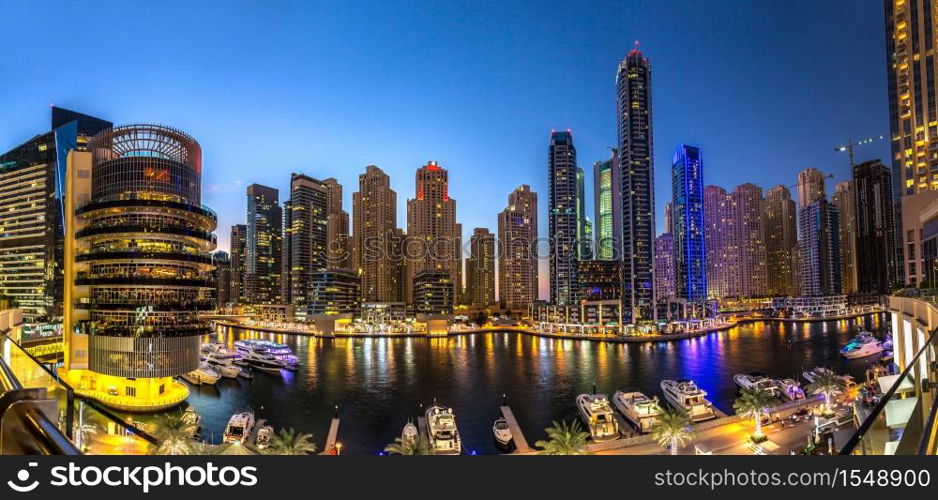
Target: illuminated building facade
[
  {"x": 687, "y": 224},
  {"x": 810, "y": 186},
  {"x": 599, "y": 280},
  {"x": 32, "y": 194},
  {"x": 308, "y": 231},
  {"x": 374, "y": 216},
  {"x": 238, "y": 243},
  {"x": 433, "y": 292},
  {"x": 517, "y": 260},
  {"x": 819, "y": 249},
  {"x": 877, "y": 266},
  {"x": 222, "y": 278},
  {"x": 665, "y": 287},
  {"x": 433, "y": 236},
  {"x": 845, "y": 200},
  {"x": 263, "y": 251},
  {"x": 563, "y": 220},
  {"x": 138, "y": 268},
  {"x": 607, "y": 206},
  {"x": 735, "y": 245},
  {"x": 480, "y": 268},
  {"x": 334, "y": 291},
  {"x": 781, "y": 241},
  {"x": 584, "y": 227},
  {"x": 636, "y": 166}
]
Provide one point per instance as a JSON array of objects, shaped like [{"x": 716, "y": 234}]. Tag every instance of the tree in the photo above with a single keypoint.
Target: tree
[
  {"x": 673, "y": 430},
  {"x": 752, "y": 403},
  {"x": 85, "y": 427},
  {"x": 289, "y": 442},
  {"x": 402, "y": 446},
  {"x": 174, "y": 435},
  {"x": 827, "y": 384},
  {"x": 564, "y": 439}
]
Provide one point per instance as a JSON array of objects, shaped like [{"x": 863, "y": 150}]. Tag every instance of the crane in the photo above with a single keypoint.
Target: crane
[{"x": 851, "y": 144}]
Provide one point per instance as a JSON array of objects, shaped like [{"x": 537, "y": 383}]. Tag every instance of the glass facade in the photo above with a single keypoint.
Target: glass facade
[{"x": 690, "y": 267}]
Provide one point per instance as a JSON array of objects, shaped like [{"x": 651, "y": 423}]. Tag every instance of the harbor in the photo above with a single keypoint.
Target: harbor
[{"x": 381, "y": 383}]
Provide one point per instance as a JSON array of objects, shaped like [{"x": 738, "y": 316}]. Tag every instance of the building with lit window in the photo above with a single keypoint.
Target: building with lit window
[
  {"x": 636, "y": 167},
  {"x": 375, "y": 237},
  {"x": 308, "y": 233},
  {"x": 263, "y": 252},
  {"x": 877, "y": 266},
  {"x": 664, "y": 267},
  {"x": 607, "y": 206},
  {"x": 687, "y": 224},
  {"x": 480, "y": 268},
  {"x": 222, "y": 278},
  {"x": 517, "y": 255},
  {"x": 138, "y": 268},
  {"x": 31, "y": 214},
  {"x": 433, "y": 236},
  {"x": 819, "y": 249},
  {"x": 781, "y": 241},
  {"x": 599, "y": 280},
  {"x": 564, "y": 226},
  {"x": 735, "y": 247},
  {"x": 237, "y": 289},
  {"x": 433, "y": 292},
  {"x": 846, "y": 202},
  {"x": 334, "y": 291}
]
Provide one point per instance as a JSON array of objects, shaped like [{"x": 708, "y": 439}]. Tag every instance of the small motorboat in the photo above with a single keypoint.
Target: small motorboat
[
  {"x": 264, "y": 435},
  {"x": 239, "y": 427},
  {"x": 245, "y": 372},
  {"x": 190, "y": 377},
  {"x": 192, "y": 417},
  {"x": 410, "y": 432},
  {"x": 790, "y": 389},
  {"x": 502, "y": 432}
]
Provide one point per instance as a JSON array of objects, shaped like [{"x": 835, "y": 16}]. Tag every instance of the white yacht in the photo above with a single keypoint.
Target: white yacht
[
  {"x": 410, "y": 432},
  {"x": 239, "y": 427},
  {"x": 861, "y": 346},
  {"x": 502, "y": 432},
  {"x": 685, "y": 394},
  {"x": 245, "y": 372},
  {"x": 443, "y": 435},
  {"x": 263, "y": 361},
  {"x": 204, "y": 374},
  {"x": 755, "y": 381},
  {"x": 192, "y": 417},
  {"x": 598, "y": 417},
  {"x": 811, "y": 376},
  {"x": 638, "y": 409},
  {"x": 264, "y": 435},
  {"x": 790, "y": 389}
]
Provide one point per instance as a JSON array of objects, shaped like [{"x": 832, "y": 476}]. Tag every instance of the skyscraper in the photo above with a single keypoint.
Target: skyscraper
[
  {"x": 607, "y": 206},
  {"x": 877, "y": 267},
  {"x": 517, "y": 239},
  {"x": 563, "y": 220},
  {"x": 690, "y": 268},
  {"x": 308, "y": 235},
  {"x": 480, "y": 268},
  {"x": 238, "y": 289},
  {"x": 137, "y": 267},
  {"x": 31, "y": 213},
  {"x": 263, "y": 251},
  {"x": 819, "y": 249},
  {"x": 665, "y": 287},
  {"x": 432, "y": 232},
  {"x": 221, "y": 276},
  {"x": 781, "y": 241},
  {"x": 337, "y": 227},
  {"x": 636, "y": 166},
  {"x": 846, "y": 202},
  {"x": 374, "y": 252},
  {"x": 735, "y": 246},
  {"x": 584, "y": 228},
  {"x": 810, "y": 186}
]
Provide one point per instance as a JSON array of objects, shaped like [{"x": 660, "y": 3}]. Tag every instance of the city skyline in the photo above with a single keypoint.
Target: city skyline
[{"x": 518, "y": 138}]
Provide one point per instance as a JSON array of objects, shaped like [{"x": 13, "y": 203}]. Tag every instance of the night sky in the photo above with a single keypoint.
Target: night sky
[{"x": 765, "y": 88}]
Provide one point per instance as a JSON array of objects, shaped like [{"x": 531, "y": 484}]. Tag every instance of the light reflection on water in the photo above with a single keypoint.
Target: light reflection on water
[{"x": 379, "y": 383}]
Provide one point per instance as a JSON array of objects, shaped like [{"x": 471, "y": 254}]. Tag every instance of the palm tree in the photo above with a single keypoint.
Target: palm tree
[
  {"x": 827, "y": 384},
  {"x": 85, "y": 427},
  {"x": 402, "y": 446},
  {"x": 174, "y": 435},
  {"x": 673, "y": 430},
  {"x": 564, "y": 439},
  {"x": 752, "y": 403},
  {"x": 289, "y": 442}
]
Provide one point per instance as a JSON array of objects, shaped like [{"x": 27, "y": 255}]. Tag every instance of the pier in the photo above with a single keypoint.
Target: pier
[
  {"x": 521, "y": 444},
  {"x": 332, "y": 437}
]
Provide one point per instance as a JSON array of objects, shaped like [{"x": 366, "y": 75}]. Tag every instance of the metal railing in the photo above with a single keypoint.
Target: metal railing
[{"x": 904, "y": 420}]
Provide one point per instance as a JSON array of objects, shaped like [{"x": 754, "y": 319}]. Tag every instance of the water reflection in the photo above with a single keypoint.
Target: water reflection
[{"x": 379, "y": 383}]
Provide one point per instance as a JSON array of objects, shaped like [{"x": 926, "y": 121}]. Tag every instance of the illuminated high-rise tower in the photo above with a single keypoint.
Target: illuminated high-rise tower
[
  {"x": 432, "y": 232},
  {"x": 690, "y": 268},
  {"x": 634, "y": 124},
  {"x": 607, "y": 206},
  {"x": 845, "y": 200},
  {"x": 263, "y": 256},
  {"x": 480, "y": 268},
  {"x": 563, "y": 218},
  {"x": 374, "y": 255},
  {"x": 517, "y": 240},
  {"x": 781, "y": 241}
]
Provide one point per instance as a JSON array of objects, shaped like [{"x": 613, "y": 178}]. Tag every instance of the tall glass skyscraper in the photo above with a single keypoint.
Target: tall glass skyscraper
[
  {"x": 634, "y": 123},
  {"x": 263, "y": 260},
  {"x": 690, "y": 266},
  {"x": 607, "y": 204},
  {"x": 563, "y": 219}
]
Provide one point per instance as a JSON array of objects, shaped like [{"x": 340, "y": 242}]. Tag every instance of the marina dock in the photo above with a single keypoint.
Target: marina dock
[
  {"x": 332, "y": 437},
  {"x": 521, "y": 444}
]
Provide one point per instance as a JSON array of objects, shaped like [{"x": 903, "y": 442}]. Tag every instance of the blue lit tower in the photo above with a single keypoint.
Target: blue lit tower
[
  {"x": 634, "y": 124},
  {"x": 687, "y": 186}
]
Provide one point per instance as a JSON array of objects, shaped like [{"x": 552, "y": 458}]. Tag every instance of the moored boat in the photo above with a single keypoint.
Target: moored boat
[
  {"x": 239, "y": 427},
  {"x": 410, "y": 432},
  {"x": 756, "y": 381},
  {"x": 264, "y": 435},
  {"x": 685, "y": 395},
  {"x": 790, "y": 389},
  {"x": 443, "y": 434},
  {"x": 861, "y": 346},
  {"x": 502, "y": 432},
  {"x": 640, "y": 410},
  {"x": 598, "y": 416}
]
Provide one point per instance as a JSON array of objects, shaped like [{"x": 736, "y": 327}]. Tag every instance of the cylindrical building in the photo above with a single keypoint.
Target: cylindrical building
[{"x": 142, "y": 265}]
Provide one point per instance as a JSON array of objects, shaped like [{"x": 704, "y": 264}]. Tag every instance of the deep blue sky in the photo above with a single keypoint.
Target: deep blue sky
[{"x": 766, "y": 88}]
